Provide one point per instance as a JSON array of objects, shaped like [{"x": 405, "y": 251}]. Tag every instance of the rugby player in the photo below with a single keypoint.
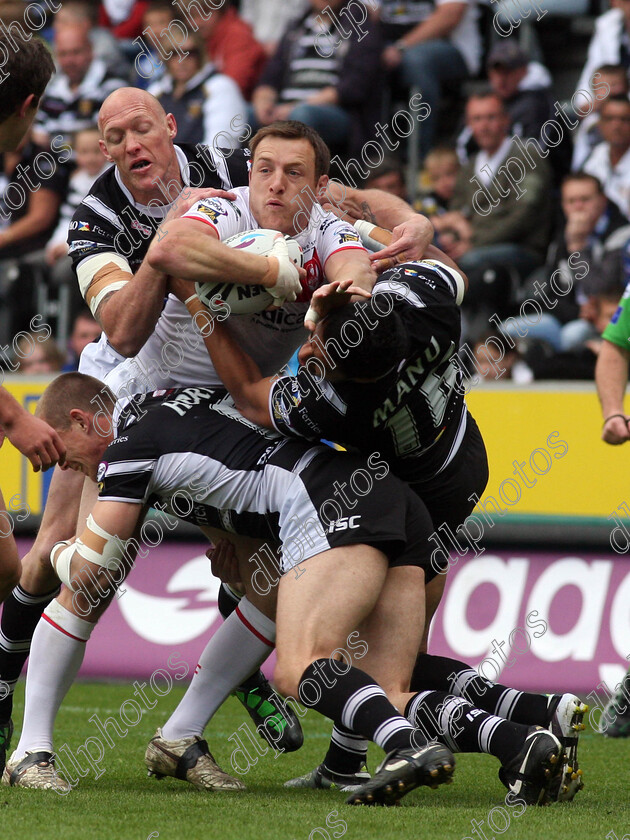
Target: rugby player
[
  {"x": 369, "y": 576},
  {"x": 611, "y": 378},
  {"x": 383, "y": 375},
  {"x": 26, "y": 69},
  {"x": 126, "y": 295}
]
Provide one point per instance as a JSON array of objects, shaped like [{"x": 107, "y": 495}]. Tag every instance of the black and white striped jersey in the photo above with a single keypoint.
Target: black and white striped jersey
[
  {"x": 415, "y": 417},
  {"x": 110, "y": 220},
  {"x": 189, "y": 453},
  {"x": 65, "y": 111}
]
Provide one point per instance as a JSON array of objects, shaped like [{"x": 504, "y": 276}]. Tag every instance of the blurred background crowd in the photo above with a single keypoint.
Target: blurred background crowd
[{"x": 508, "y": 124}]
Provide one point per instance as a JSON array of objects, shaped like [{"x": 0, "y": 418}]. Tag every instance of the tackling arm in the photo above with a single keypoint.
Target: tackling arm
[{"x": 237, "y": 370}]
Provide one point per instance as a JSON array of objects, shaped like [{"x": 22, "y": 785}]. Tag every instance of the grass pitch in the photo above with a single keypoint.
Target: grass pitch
[{"x": 123, "y": 804}]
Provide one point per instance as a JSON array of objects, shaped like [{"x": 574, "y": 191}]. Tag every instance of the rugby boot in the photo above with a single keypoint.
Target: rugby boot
[
  {"x": 274, "y": 719},
  {"x": 188, "y": 759},
  {"x": 34, "y": 770},
  {"x": 532, "y": 772},
  {"x": 565, "y": 715},
  {"x": 324, "y": 779},
  {"x": 402, "y": 771}
]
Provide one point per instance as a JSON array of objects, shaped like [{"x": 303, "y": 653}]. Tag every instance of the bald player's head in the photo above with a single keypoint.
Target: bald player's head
[{"x": 137, "y": 136}]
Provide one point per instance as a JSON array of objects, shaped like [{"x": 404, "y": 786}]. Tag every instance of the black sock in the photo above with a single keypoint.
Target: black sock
[
  {"x": 20, "y": 614},
  {"x": 439, "y": 673},
  {"x": 463, "y": 728},
  {"x": 228, "y": 600},
  {"x": 354, "y": 700},
  {"x": 347, "y": 751}
]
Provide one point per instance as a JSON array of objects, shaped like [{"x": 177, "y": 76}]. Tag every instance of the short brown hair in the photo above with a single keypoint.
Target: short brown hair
[
  {"x": 583, "y": 177},
  {"x": 294, "y": 130},
  {"x": 29, "y": 66},
  {"x": 72, "y": 390}
]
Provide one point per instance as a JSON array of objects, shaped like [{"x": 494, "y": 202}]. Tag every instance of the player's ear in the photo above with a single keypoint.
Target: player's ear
[
  {"x": 103, "y": 149},
  {"x": 31, "y": 101},
  {"x": 172, "y": 126},
  {"x": 322, "y": 185}
]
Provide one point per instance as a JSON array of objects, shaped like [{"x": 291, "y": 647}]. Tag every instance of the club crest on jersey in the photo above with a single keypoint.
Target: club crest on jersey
[
  {"x": 211, "y": 208},
  {"x": 345, "y": 236},
  {"x": 143, "y": 229},
  {"x": 102, "y": 469}
]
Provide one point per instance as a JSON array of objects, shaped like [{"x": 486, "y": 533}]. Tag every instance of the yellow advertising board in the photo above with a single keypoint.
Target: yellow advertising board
[{"x": 544, "y": 446}]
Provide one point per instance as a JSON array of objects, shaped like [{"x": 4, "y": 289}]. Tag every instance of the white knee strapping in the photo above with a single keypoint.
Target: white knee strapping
[{"x": 111, "y": 556}]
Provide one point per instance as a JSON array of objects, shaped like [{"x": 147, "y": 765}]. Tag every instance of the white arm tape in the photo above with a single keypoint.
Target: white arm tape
[
  {"x": 364, "y": 229},
  {"x": 111, "y": 557},
  {"x": 89, "y": 267}
]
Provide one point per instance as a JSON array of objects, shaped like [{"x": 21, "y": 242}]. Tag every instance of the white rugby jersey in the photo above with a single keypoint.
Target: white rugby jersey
[{"x": 270, "y": 338}]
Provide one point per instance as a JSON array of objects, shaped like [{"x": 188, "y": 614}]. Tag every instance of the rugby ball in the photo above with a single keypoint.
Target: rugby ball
[{"x": 245, "y": 300}]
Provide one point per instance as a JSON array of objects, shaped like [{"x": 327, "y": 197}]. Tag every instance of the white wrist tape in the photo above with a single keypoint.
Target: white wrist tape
[
  {"x": 370, "y": 234},
  {"x": 312, "y": 315},
  {"x": 287, "y": 286}
]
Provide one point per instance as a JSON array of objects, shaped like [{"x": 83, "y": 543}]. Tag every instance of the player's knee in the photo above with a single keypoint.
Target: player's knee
[{"x": 286, "y": 678}]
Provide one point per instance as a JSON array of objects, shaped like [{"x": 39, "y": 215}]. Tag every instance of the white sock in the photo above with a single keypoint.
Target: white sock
[
  {"x": 240, "y": 645},
  {"x": 56, "y": 655}
]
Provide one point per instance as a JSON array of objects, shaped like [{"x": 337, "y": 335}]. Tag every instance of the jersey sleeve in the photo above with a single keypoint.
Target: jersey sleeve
[
  {"x": 224, "y": 216},
  {"x": 289, "y": 408},
  {"x": 334, "y": 235},
  {"x": 231, "y": 165},
  {"x": 127, "y": 468},
  {"x": 618, "y": 330}
]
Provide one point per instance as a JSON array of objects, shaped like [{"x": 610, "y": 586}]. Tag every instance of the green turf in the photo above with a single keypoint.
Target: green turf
[{"x": 124, "y": 803}]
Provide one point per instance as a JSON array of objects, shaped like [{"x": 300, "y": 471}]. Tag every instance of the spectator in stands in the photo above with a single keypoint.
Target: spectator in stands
[
  {"x": 104, "y": 45},
  {"x": 26, "y": 76},
  {"x": 37, "y": 356},
  {"x": 204, "y": 102},
  {"x": 496, "y": 223},
  {"x": 441, "y": 167},
  {"x": 271, "y": 18},
  {"x": 388, "y": 177},
  {"x": 75, "y": 94},
  {"x": 325, "y": 81},
  {"x": 85, "y": 329},
  {"x": 230, "y": 43},
  {"x": 610, "y": 160},
  {"x": 610, "y": 80},
  {"x": 593, "y": 228},
  {"x": 610, "y": 44},
  {"x": 429, "y": 44},
  {"x": 90, "y": 164},
  {"x": 122, "y": 17},
  {"x": 525, "y": 88},
  {"x": 149, "y": 65}
]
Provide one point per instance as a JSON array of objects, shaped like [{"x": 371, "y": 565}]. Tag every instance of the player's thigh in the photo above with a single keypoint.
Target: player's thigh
[
  {"x": 10, "y": 566},
  {"x": 59, "y": 522},
  {"x": 393, "y": 630},
  {"x": 318, "y": 609}
]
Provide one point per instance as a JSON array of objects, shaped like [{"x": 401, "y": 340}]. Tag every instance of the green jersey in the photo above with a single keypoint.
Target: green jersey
[{"x": 618, "y": 330}]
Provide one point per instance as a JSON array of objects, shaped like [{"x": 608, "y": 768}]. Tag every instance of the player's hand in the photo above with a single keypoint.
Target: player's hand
[
  {"x": 224, "y": 562},
  {"x": 409, "y": 242},
  {"x": 35, "y": 439},
  {"x": 616, "y": 430},
  {"x": 284, "y": 274},
  {"x": 328, "y": 297},
  {"x": 391, "y": 57}
]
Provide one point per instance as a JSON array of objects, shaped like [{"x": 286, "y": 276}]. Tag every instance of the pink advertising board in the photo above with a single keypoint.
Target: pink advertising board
[{"x": 535, "y": 620}]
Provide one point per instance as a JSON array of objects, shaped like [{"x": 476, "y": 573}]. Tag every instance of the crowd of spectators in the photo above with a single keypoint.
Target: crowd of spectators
[{"x": 525, "y": 188}]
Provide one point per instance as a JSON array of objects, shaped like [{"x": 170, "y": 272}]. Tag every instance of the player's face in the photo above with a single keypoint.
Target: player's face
[
  {"x": 84, "y": 448},
  {"x": 314, "y": 348},
  {"x": 14, "y": 129},
  {"x": 283, "y": 187},
  {"x": 139, "y": 140}
]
